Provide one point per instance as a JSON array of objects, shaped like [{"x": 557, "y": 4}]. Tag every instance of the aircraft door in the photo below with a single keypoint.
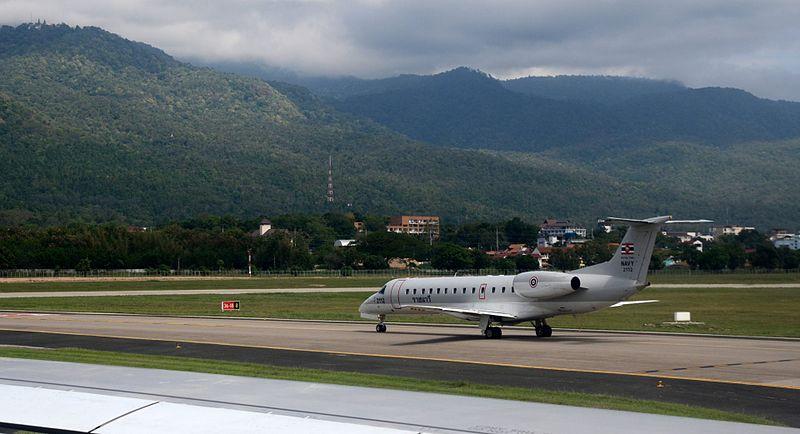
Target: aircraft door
[
  {"x": 394, "y": 293},
  {"x": 482, "y": 292}
]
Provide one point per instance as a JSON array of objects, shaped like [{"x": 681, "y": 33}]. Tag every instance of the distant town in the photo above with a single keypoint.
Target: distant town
[{"x": 351, "y": 241}]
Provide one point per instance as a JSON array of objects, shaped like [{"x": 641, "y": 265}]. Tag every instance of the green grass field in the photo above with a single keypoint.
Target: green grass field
[
  {"x": 338, "y": 282},
  {"x": 379, "y": 381},
  {"x": 736, "y": 311},
  {"x": 175, "y": 284}
]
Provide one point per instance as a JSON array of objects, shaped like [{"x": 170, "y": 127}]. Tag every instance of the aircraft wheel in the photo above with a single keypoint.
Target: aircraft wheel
[
  {"x": 493, "y": 332},
  {"x": 544, "y": 331},
  {"x": 380, "y": 328}
]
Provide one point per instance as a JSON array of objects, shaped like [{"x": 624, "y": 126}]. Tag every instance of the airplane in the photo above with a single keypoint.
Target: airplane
[{"x": 531, "y": 296}]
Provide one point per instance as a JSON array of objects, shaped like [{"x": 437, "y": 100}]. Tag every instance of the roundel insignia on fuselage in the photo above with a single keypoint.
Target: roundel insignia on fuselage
[{"x": 534, "y": 282}]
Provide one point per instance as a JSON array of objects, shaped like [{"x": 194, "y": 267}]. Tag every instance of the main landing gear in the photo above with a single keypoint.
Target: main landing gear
[
  {"x": 493, "y": 333},
  {"x": 542, "y": 329},
  {"x": 381, "y": 327},
  {"x": 488, "y": 331}
]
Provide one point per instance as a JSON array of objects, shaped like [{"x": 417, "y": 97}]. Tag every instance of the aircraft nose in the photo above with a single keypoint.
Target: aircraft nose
[{"x": 367, "y": 305}]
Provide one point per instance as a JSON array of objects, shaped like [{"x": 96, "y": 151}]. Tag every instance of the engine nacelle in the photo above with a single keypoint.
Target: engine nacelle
[{"x": 541, "y": 285}]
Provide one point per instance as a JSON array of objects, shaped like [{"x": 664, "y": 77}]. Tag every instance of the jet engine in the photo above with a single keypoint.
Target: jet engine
[{"x": 542, "y": 285}]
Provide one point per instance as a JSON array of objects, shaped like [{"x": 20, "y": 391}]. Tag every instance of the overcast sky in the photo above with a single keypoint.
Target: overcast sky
[{"x": 754, "y": 45}]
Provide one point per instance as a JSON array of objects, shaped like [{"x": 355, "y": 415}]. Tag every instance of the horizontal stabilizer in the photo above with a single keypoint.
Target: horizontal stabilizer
[
  {"x": 677, "y": 222},
  {"x": 625, "y": 303}
]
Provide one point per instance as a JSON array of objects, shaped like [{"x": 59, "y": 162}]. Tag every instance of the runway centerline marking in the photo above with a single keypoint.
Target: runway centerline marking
[{"x": 434, "y": 359}]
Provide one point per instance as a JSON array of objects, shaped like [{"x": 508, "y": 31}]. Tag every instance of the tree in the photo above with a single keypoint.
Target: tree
[
  {"x": 564, "y": 259},
  {"x": 714, "y": 257},
  {"x": 527, "y": 263},
  {"x": 394, "y": 245},
  {"x": 765, "y": 256},
  {"x": 447, "y": 256},
  {"x": 657, "y": 259},
  {"x": 788, "y": 259},
  {"x": 517, "y": 231},
  {"x": 84, "y": 266}
]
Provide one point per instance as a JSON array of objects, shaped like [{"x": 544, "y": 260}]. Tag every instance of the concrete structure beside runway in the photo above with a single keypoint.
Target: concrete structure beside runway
[{"x": 152, "y": 400}]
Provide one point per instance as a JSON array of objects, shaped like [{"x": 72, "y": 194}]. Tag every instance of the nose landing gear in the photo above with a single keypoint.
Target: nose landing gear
[
  {"x": 542, "y": 329},
  {"x": 381, "y": 327}
]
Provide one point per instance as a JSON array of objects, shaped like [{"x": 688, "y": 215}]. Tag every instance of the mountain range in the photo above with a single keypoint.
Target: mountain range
[{"x": 95, "y": 127}]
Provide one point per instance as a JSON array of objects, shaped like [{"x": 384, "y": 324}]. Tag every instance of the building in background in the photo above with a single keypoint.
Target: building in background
[
  {"x": 552, "y": 231},
  {"x": 344, "y": 243},
  {"x": 264, "y": 229},
  {"x": 421, "y": 225},
  {"x": 717, "y": 231},
  {"x": 791, "y": 241}
]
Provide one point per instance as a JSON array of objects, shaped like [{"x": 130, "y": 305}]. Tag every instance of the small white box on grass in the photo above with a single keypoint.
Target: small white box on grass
[{"x": 682, "y": 317}]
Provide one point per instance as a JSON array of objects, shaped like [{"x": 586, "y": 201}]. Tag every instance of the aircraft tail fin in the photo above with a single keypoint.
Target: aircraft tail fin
[{"x": 632, "y": 258}]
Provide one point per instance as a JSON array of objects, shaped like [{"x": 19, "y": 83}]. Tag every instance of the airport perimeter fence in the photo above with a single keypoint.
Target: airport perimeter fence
[{"x": 385, "y": 273}]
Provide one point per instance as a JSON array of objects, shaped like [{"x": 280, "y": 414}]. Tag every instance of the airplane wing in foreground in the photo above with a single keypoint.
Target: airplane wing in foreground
[
  {"x": 475, "y": 312},
  {"x": 625, "y": 303}
]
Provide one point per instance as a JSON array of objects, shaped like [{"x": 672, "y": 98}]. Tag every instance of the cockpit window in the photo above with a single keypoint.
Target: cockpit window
[{"x": 382, "y": 290}]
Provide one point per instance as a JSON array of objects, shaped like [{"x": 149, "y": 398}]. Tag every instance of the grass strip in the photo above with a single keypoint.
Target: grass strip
[
  {"x": 378, "y": 381},
  {"x": 166, "y": 283}
]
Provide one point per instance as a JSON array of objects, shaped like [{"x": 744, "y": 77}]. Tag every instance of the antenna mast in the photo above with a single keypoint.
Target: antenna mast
[{"x": 330, "y": 179}]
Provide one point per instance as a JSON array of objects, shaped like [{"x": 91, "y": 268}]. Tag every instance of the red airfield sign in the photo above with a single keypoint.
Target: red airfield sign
[{"x": 230, "y": 305}]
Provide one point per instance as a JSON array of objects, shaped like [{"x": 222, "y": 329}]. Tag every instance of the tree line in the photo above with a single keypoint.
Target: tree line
[
  {"x": 306, "y": 241},
  {"x": 297, "y": 241}
]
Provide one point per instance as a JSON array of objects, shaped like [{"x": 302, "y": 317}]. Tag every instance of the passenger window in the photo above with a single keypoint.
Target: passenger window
[
  {"x": 415, "y": 291},
  {"x": 503, "y": 290},
  {"x": 464, "y": 291},
  {"x": 406, "y": 291},
  {"x": 512, "y": 289},
  {"x": 493, "y": 290},
  {"x": 473, "y": 289},
  {"x": 445, "y": 290},
  {"x": 437, "y": 290}
]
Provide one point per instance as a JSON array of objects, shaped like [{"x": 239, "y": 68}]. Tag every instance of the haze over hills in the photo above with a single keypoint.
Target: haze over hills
[{"x": 96, "y": 127}]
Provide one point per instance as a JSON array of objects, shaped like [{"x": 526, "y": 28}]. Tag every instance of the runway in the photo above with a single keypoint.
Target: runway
[
  {"x": 756, "y": 376},
  {"x": 763, "y": 362}
]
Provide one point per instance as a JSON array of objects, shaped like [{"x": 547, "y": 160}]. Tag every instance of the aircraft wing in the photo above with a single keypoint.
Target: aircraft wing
[
  {"x": 476, "y": 312},
  {"x": 625, "y": 303}
]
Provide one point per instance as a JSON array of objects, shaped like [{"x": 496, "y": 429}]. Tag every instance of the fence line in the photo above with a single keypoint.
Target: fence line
[{"x": 389, "y": 273}]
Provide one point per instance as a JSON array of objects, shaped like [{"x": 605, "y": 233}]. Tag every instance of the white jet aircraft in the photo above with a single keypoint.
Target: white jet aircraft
[{"x": 531, "y": 296}]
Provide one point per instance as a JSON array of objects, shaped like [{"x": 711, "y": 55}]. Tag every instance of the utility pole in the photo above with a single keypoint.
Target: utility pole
[
  {"x": 496, "y": 239},
  {"x": 249, "y": 262}
]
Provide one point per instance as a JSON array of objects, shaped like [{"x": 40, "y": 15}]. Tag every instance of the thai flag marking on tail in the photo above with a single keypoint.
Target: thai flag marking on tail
[{"x": 626, "y": 248}]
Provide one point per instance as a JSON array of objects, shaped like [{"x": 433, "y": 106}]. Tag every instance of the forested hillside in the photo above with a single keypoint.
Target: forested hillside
[
  {"x": 110, "y": 129},
  {"x": 469, "y": 109},
  {"x": 94, "y": 127}
]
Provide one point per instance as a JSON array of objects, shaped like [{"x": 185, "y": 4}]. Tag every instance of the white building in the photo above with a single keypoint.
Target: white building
[
  {"x": 560, "y": 229},
  {"x": 730, "y": 230},
  {"x": 344, "y": 243},
  {"x": 792, "y": 242}
]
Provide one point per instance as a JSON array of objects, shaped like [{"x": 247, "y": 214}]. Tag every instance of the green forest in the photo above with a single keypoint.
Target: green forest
[
  {"x": 306, "y": 241},
  {"x": 95, "y": 128}
]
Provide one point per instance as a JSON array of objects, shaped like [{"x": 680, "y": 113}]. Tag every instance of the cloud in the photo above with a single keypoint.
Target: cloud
[{"x": 750, "y": 44}]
